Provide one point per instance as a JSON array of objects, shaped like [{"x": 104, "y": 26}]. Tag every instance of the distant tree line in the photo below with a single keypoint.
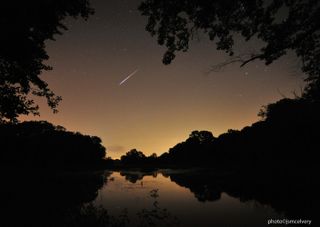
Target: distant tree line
[
  {"x": 287, "y": 135},
  {"x": 135, "y": 158},
  {"x": 43, "y": 145}
]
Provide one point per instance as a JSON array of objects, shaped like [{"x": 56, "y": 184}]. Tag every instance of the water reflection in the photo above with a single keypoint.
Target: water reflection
[
  {"x": 163, "y": 198},
  {"x": 194, "y": 198},
  {"x": 289, "y": 195}
]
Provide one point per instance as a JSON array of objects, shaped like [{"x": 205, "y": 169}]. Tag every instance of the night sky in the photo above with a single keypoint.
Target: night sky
[{"x": 160, "y": 105}]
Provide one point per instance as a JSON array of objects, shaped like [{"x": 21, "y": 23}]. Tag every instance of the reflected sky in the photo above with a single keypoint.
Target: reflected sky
[{"x": 119, "y": 194}]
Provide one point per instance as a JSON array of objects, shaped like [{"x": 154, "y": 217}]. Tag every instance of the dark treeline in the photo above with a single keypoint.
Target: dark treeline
[
  {"x": 43, "y": 145},
  {"x": 135, "y": 158},
  {"x": 286, "y": 136}
]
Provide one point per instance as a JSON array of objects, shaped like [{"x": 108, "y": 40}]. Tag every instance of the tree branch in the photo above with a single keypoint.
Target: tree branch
[
  {"x": 244, "y": 62},
  {"x": 242, "y": 58}
]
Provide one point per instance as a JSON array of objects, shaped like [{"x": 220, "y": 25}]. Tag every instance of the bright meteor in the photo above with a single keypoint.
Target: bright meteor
[{"x": 128, "y": 77}]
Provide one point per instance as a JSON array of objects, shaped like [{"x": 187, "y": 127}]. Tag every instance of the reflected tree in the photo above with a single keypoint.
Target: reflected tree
[
  {"x": 48, "y": 199},
  {"x": 156, "y": 216}
]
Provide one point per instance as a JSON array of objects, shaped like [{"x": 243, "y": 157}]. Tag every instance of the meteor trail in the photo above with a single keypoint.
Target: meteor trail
[{"x": 128, "y": 77}]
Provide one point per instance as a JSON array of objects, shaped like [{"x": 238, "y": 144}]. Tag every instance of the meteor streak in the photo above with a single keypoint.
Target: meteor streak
[{"x": 128, "y": 77}]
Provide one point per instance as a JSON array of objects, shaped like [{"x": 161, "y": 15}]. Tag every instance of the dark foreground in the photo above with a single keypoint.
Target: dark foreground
[{"x": 161, "y": 198}]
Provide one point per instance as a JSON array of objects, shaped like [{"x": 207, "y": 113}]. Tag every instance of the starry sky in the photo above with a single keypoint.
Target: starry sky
[{"x": 159, "y": 105}]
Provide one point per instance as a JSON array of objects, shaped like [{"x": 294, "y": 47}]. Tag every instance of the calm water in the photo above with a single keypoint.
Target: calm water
[
  {"x": 193, "y": 204},
  {"x": 165, "y": 198}
]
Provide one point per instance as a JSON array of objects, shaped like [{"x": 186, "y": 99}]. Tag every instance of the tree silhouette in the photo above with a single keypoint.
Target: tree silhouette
[
  {"x": 40, "y": 144},
  {"x": 26, "y": 25},
  {"x": 192, "y": 152},
  {"x": 283, "y": 25},
  {"x": 202, "y": 136},
  {"x": 133, "y": 157}
]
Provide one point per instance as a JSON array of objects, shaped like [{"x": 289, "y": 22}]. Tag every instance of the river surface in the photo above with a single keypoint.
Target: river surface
[{"x": 177, "y": 201}]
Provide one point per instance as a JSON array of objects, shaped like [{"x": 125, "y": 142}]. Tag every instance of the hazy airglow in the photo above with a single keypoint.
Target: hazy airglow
[{"x": 163, "y": 104}]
